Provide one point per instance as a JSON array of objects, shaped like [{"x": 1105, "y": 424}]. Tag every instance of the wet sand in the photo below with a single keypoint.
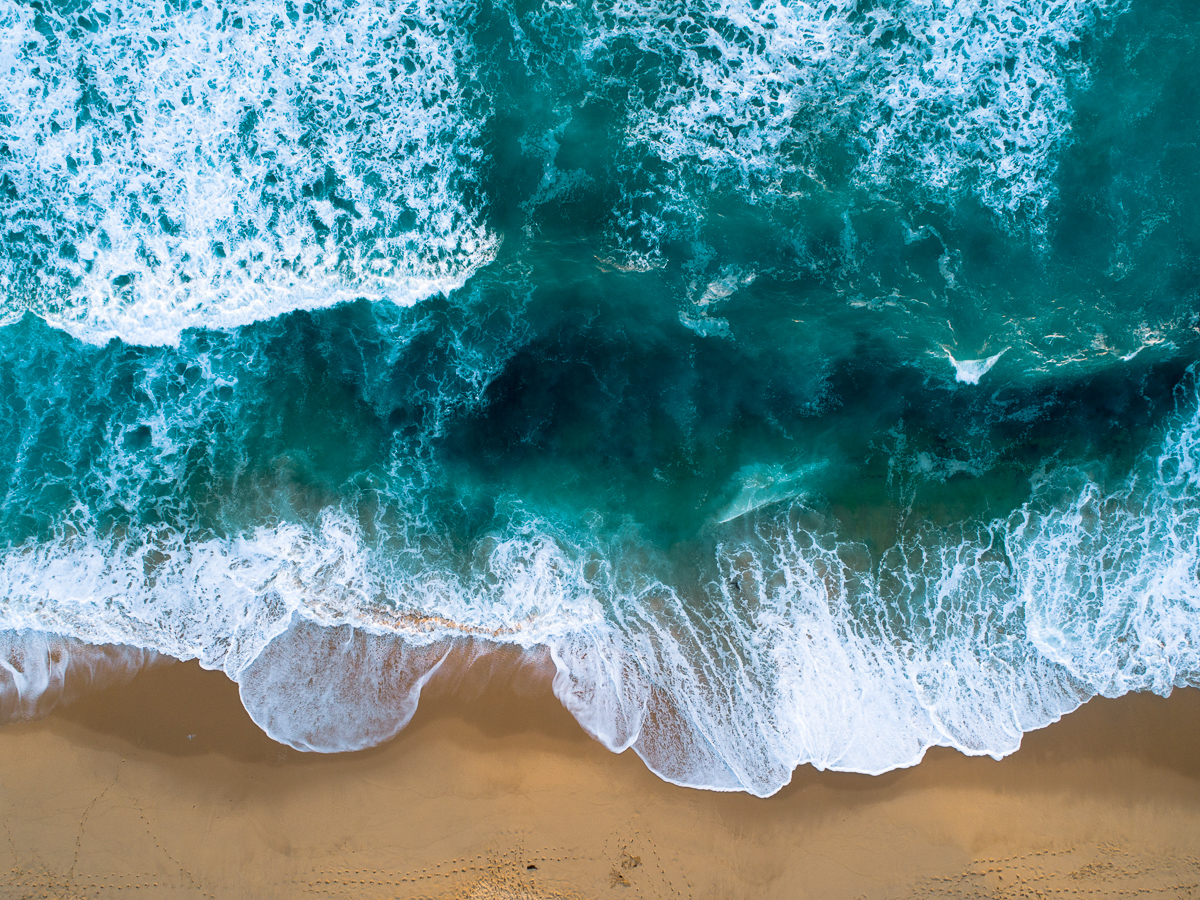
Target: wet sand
[{"x": 165, "y": 788}]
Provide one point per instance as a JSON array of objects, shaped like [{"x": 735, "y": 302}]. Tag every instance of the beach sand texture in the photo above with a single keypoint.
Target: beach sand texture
[{"x": 165, "y": 788}]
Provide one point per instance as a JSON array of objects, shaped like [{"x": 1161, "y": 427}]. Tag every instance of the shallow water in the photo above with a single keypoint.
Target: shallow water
[{"x": 813, "y": 381}]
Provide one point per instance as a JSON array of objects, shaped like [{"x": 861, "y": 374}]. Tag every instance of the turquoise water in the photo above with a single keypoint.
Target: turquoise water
[{"x": 812, "y": 381}]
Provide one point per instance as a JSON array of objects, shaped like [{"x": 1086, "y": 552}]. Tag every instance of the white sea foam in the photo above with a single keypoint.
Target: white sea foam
[
  {"x": 40, "y": 671},
  {"x": 209, "y": 167},
  {"x": 1111, "y": 583},
  {"x": 812, "y": 659},
  {"x": 331, "y": 689},
  {"x": 698, "y": 315},
  {"x": 801, "y": 649},
  {"x": 760, "y": 485},
  {"x": 949, "y": 94},
  {"x": 224, "y": 601},
  {"x": 969, "y": 371}
]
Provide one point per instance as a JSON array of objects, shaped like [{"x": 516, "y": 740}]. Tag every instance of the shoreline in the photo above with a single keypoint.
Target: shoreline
[{"x": 165, "y": 787}]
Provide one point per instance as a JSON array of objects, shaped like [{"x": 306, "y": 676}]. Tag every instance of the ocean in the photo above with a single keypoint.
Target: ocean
[{"x": 810, "y": 382}]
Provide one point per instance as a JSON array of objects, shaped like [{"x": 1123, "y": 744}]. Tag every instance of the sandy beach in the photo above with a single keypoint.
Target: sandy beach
[{"x": 165, "y": 788}]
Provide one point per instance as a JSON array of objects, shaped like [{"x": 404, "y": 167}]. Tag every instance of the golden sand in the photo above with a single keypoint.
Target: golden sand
[{"x": 165, "y": 788}]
